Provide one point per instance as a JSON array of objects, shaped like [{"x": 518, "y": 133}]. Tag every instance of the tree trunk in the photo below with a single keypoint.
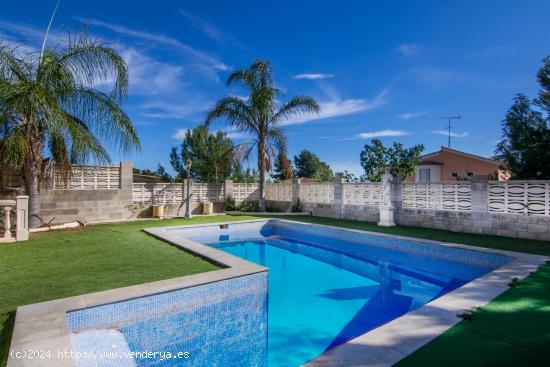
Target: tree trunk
[
  {"x": 261, "y": 169},
  {"x": 32, "y": 167},
  {"x": 31, "y": 171}
]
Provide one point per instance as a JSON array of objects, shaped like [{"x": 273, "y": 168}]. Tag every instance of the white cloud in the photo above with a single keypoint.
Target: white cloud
[
  {"x": 383, "y": 134},
  {"x": 234, "y": 133},
  {"x": 352, "y": 167},
  {"x": 408, "y": 49},
  {"x": 179, "y": 134},
  {"x": 149, "y": 76},
  {"x": 341, "y": 107},
  {"x": 453, "y": 134},
  {"x": 313, "y": 76},
  {"x": 410, "y": 115},
  {"x": 159, "y": 38}
]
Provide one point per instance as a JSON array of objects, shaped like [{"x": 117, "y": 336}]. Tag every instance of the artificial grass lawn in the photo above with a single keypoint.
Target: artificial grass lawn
[
  {"x": 61, "y": 264},
  {"x": 513, "y": 327},
  {"x": 512, "y": 330}
]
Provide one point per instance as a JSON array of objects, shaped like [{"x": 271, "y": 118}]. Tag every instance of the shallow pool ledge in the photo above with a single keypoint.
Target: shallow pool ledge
[{"x": 42, "y": 328}]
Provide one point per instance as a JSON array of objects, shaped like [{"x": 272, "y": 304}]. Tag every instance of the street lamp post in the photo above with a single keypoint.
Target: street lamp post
[{"x": 188, "y": 163}]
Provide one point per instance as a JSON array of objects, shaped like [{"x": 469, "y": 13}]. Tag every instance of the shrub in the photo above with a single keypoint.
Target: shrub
[
  {"x": 230, "y": 204},
  {"x": 297, "y": 207},
  {"x": 249, "y": 206}
]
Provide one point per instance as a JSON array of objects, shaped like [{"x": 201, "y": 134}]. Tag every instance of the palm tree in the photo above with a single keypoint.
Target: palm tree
[
  {"x": 64, "y": 102},
  {"x": 259, "y": 115}
]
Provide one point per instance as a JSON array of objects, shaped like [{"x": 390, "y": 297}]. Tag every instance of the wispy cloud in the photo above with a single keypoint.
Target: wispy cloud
[
  {"x": 211, "y": 30},
  {"x": 313, "y": 76},
  {"x": 341, "y": 107},
  {"x": 383, "y": 134},
  {"x": 159, "y": 39},
  {"x": 410, "y": 115},
  {"x": 179, "y": 134},
  {"x": 408, "y": 49},
  {"x": 453, "y": 134},
  {"x": 437, "y": 77},
  {"x": 188, "y": 109}
]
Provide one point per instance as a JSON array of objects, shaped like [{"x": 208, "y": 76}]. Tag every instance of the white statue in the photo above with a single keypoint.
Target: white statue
[
  {"x": 385, "y": 190},
  {"x": 386, "y": 206}
]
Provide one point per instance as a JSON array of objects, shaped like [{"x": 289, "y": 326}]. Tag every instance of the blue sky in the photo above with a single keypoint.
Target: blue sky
[{"x": 378, "y": 68}]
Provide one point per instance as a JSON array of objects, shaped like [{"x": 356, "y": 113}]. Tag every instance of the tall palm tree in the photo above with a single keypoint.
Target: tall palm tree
[
  {"x": 259, "y": 115},
  {"x": 65, "y": 103}
]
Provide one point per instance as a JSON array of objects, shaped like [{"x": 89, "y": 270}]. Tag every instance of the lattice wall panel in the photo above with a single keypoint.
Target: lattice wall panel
[
  {"x": 530, "y": 198},
  {"x": 88, "y": 178},
  {"x": 317, "y": 193},
  {"x": 278, "y": 191},
  {"x": 366, "y": 193},
  {"x": 245, "y": 192},
  {"x": 442, "y": 196}
]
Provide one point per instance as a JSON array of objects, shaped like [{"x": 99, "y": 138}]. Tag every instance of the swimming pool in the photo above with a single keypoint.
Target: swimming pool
[{"x": 325, "y": 286}]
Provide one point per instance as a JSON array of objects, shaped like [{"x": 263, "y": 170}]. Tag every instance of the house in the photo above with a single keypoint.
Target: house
[{"x": 454, "y": 165}]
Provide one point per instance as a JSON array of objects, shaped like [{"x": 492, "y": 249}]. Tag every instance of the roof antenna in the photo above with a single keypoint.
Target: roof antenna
[{"x": 449, "y": 126}]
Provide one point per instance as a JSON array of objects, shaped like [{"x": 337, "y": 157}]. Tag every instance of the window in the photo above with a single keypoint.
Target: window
[
  {"x": 453, "y": 174},
  {"x": 469, "y": 174},
  {"x": 424, "y": 174}
]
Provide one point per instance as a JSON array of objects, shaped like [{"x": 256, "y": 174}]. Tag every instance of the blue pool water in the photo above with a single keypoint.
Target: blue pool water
[{"x": 324, "y": 286}]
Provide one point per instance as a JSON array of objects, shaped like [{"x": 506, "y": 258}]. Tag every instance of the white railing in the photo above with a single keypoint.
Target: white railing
[
  {"x": 520, "y": 197},
  {"x": 442, "y": 196},
  {"x": 364, "y": 193},
  {"x": 322, "y": 193},
  {"x": 245, "y": 192},
  {"x": 14, "y": 218},
  {"x": 278, "y": 192},
  {"x": 88, "y": 178}
]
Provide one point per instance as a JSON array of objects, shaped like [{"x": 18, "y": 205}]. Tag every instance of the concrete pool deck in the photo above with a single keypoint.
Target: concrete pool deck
[{"x": 43, "y": 326}]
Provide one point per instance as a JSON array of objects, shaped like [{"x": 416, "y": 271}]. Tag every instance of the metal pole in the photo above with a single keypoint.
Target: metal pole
[{"x": 188, "y": 204}]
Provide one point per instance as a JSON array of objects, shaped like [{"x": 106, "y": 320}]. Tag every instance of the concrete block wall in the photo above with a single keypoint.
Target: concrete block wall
[
  {"x": 63, "y": 206},
  {"x": 506, "y": 225}
]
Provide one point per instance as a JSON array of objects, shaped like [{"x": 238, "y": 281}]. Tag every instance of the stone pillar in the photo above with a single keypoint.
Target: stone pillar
[
  {"x": 296, "y": 190},
  {"x": 22, "y": 218},
  {"x": 339, "y": 197},
  {"x": 126, "y": 183},
  {"x": 188, "y": 197},
  {"x": 480, "y": 193},
  {"x": 228, "y": 189}
]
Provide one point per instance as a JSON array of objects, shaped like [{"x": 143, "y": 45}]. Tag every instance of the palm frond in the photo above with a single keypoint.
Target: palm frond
[
  {"x": 235, "y": 111},
  {"x": 296, "y": 106}
]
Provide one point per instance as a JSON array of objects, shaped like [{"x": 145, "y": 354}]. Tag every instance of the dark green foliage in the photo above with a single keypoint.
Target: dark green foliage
[
  {"x": 160, "y": 172},
  {"x": 347, "y": 176},
  {"x": 230, "y": 204},
  {"x": 249, "y": 175},
  {"x": 401, "y": 161},
  {"x": 212, "y": 155},
  {"x": 308, "y": 165},
  {"x": 249, "y": 206},
  {"x": 297, "y": 206},
  {"x": 525, "y": 144}
]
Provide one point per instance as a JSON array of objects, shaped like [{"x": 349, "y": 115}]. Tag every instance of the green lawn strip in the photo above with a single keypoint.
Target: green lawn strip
[
  {"x": 512, "y": 330},
  {"x": 61, "y": 264}
]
